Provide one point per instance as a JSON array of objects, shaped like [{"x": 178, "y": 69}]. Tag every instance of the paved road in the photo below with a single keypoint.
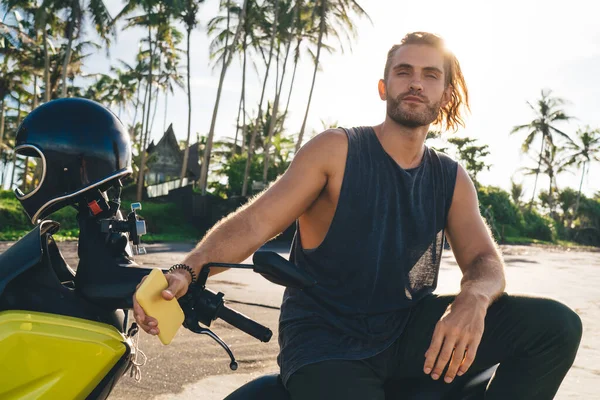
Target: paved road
[{"x": 194, "y": 367}]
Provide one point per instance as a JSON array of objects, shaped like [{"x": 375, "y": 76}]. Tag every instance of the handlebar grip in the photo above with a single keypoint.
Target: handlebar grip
[{"x": 244, "y": 323}]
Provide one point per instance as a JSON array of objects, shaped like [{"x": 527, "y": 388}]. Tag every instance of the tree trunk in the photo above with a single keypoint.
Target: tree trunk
[
  {"x": 537, "y": 173},
  {"x": 35, "y": 93},
  {"x": 140, "y": 183},
  {"x": 578, "y": 196},
  {"x": 241, "y": 105},
  {"x": 166, "y": 108},
  {"x": 19, "y": 104},
  {"x": 137, "y": 102},
  {"x": 275, "y": 112},
  {"x": 1, "y": 128},
  {"x": 66, "y": 64},
  {"x": 551, "y": 195},
  {"x": 4, "y": 163},
  {"x": 209, "y": 140},
  {"x": 262, "y": 96},
  {"x": 186, "y": 153},
  {"x": 237, "y": 125},
  {"x": 312, "y": 86},
  {"x": 14, "y": 168},
  {"x": 26, "y": 172},
  {"x": 2, "y": 172},
  {"x": 48, "y": 94},
  {"x": 141, "y": 139},
  {"x": 296, "y": 58},
  {"x": 243, "y": 145},
  {"x": 156, "y": 96}
]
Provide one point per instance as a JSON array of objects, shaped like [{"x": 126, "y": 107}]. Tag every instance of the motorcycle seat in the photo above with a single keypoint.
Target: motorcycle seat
[{"x": 465, "y": 388}]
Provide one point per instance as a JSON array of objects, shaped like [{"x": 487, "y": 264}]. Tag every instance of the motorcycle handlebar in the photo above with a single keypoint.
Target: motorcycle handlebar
[{"x": 244, "y": 323}]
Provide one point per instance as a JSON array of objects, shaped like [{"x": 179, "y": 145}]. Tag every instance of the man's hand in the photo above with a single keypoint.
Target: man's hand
[
  {"x": 456, "y": 337},
  {"x": 179, "y": 281}
]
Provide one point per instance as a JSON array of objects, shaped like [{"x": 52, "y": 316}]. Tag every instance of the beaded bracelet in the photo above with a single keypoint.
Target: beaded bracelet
[{"x": 184, "y": 267}]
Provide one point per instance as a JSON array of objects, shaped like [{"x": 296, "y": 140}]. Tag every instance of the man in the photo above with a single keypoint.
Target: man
[{"x": 372, "y": 206}]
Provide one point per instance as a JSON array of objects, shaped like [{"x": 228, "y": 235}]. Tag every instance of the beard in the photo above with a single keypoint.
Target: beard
[{"x": 409, "y": 116}]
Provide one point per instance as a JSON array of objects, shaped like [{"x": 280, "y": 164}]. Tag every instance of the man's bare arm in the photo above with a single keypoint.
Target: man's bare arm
[
  {"x": 457, "y": 335},
  {"x": 473, "y": 245},
  {"x": 237, "y": 236},
  {"x": 240, "y": 234}
]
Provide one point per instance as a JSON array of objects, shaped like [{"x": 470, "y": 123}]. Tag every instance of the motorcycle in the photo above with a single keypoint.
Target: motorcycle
[{"x": 66, "y": 334}]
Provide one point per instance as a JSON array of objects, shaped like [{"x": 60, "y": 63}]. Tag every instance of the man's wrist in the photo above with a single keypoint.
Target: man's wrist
[
  {"x": 471, "y": 294},
  {"x": 184, "y": 270},
  {"x": 196, "y": 261}
]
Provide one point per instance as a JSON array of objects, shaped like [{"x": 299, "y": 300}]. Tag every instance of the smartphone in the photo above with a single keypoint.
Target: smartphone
[{"x": 168, "y": 313}]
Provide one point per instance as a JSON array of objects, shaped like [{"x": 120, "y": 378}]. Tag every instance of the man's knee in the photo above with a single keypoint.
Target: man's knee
[
  {"x": 571, "y": 322},
  {"x": 556, "y": 317}
]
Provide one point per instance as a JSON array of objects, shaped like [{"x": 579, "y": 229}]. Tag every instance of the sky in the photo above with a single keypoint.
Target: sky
[{"x": 509, "y": 51}]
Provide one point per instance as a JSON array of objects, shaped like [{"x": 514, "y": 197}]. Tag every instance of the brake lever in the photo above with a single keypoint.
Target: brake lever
[
  {"x": 195, "y": 327},
  {"x": 191, "y": 321}
]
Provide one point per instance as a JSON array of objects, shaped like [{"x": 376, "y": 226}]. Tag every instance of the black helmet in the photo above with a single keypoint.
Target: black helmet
[{"x": 76, "y": 145}]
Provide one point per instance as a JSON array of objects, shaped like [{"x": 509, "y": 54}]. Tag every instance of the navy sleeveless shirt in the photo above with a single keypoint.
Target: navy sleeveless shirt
[{"x": 380, "y": 256}]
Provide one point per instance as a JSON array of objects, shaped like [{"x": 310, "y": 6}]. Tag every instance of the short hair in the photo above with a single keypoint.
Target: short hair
[{"x": 450, "y": 115}]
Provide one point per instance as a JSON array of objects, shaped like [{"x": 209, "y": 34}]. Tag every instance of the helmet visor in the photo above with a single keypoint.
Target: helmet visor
[{"x": 30, "y": 170}]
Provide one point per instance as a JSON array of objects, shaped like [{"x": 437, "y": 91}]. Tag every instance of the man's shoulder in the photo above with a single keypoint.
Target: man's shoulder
[
  {"x": 329, "y": 140},
  {"x": 326, "y": 150},
  {"x": 333, "y": 134}
]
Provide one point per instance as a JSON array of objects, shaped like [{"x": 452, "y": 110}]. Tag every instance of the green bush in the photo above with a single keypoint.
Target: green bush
[
  {"x": 511, "y": 231},
  {"x": 6, "y": 194},
  {"x": 537, "y": 226},
  {"x": 12, "y": 215},
  {"x": 504, "y": 210},
  {"x": 503, "y": 216},
  {"x": 14, "y": 218},
  {"x": 164, "y": 221}
]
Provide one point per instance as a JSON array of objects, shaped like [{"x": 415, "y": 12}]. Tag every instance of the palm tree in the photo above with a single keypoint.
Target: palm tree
[
  {"x": 551, "y": 165},
  {"x": 262, "y": 95},
  {"x": 585, "y": 152},
  {"x": 18, "y": 94},
  {"x": 155, "y": 15},
  {"x": 567, "y": 199},
  {"x": 123, "y": 88},
  {"x": 255, "y": 19},
  {"x": 516, "y": 192},
  {"x": 548, "y": 113},
  {"x": 211, "y": 133},
  {"x": 13, "y": 42},
  {"x": 38, "y": 19},
  {"x": 79, "y": 52},
  {"x": 101, "y": 90},
  {"x": 298, "y": 35},
  {"x": 233, "y": 167},
  {"x": 187, "y": 11},
  {"x": 76, "y": 10},
  {"x": 138, "y": 73},
  {"x": 330, "y": 13},
  {"x": 284, "y": 36},
  {"x": 168, "y": 75},
  {"x": 253, "y": 37}
]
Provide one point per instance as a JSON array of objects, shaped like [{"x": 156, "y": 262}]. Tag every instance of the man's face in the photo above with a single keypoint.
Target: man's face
[{"x": 415, "y": 89}]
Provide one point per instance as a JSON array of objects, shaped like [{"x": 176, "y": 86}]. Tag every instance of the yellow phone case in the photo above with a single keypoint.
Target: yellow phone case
[{"x": 168, "y": 313}]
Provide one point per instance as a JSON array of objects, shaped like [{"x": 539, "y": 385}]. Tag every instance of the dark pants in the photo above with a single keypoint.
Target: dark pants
[{"x": 534, "y": 340}]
